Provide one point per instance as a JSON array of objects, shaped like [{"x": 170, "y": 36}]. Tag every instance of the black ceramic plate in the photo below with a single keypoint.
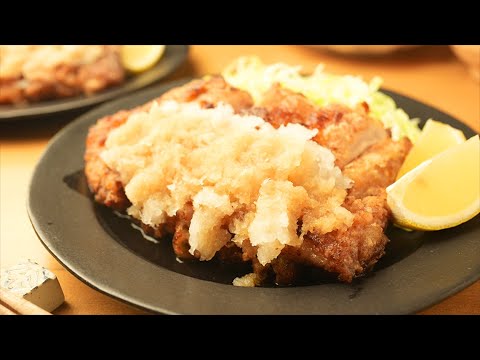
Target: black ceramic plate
[
  {"x": 174, "y": 56},
  {"x": 106, "y": 252}
]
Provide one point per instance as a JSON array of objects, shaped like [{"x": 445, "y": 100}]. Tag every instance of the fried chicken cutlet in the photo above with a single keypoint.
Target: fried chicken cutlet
[{"x": 348, "y": 252}]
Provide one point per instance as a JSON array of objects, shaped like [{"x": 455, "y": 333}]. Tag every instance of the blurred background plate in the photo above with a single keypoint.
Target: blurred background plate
[
  {"x": 364, "y": 50},
  {"x": 173, "y": 57}
]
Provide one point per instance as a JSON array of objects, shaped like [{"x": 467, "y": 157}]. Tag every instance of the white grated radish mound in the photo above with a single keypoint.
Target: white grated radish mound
[{"x": 245, "y": 179}]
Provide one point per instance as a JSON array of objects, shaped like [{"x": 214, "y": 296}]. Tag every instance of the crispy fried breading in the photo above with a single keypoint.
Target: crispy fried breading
[
  {"x": 346, "y": 132},
  {"x": 353, "y": 250},
  {"x": 377, "y": 167}
]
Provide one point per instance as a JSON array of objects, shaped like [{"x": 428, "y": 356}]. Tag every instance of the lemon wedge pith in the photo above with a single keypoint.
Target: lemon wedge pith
[
  {"x": 441, "y": 192},
  {"x": 435, "y": 138},
  {"x": 138, "y": 58}
]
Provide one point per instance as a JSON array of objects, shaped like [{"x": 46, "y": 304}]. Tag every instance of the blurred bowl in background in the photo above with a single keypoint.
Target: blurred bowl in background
[
  {"x": 364, "y": 49},
  {"x": 470, "y": 56}
]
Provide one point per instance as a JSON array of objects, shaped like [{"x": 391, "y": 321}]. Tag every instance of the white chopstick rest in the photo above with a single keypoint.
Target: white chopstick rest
[{"x": 34, "y": 283}]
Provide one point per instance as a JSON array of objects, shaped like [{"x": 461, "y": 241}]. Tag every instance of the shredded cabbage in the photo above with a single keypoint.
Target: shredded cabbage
[{"x": 250, "y": 74}]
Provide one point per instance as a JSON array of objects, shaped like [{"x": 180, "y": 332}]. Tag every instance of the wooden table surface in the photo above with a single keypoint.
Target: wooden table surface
[{"x": 430, "y": 74}]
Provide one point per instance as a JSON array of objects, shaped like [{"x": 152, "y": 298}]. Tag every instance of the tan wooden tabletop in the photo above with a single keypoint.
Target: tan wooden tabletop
[{"x": 432, "y": 75}]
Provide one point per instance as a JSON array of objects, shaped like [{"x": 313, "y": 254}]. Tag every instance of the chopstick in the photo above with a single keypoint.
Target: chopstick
[
  {"x": 14, "y": 305},
  {"x": 5, "y": 311}
]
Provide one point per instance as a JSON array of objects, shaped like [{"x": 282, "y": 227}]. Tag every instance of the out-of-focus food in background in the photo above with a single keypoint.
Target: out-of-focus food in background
[
  {"x": 32, "y": 73},
  {"x": 365, "y": 49},
  {"x": 470, "y": 55}
]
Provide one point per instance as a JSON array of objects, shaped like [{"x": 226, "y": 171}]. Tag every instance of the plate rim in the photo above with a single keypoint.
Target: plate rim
[
  {"x": 174, "y": 57},
  {"x": 85, "y": 118}
]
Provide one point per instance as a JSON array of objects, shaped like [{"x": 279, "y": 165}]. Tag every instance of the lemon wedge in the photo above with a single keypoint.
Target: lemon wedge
[
  {"x": 441, "y": 192},
  {"x": 138, "y": 58},
  {"x": 435, "y": 138}
]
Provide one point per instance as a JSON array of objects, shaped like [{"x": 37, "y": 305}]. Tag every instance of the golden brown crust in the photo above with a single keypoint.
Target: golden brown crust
[
  {"x": 180, "y": 243},
  {"x": 209, "y": 92},
  {"x": 346, "y": 132},
  {"x": 377, "y": 167},
  {"x": 104, "y": 182},
  {"x": 351, "y": 251}
]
